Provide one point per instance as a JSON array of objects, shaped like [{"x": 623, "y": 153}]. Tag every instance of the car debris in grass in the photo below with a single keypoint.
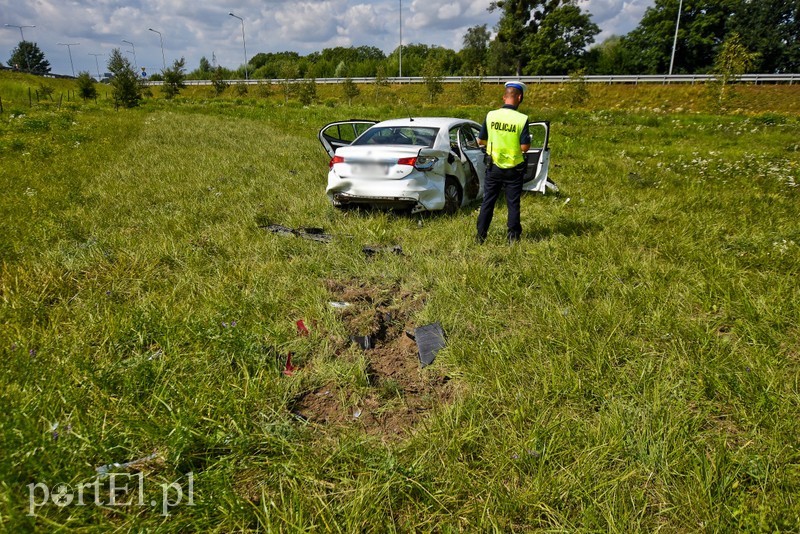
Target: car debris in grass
[
  {"x": 311, "y": 233},
  {"x": 301, "y": 328},
  {"x": 371, "y": 250},
  {"x": 104, "y": 470},
  {"x": 365, "y": 342},
  {"x": 430, "y": 340}
]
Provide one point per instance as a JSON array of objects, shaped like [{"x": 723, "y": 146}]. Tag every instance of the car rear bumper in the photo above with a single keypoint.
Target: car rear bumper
[{"x": 424, "y": 194}]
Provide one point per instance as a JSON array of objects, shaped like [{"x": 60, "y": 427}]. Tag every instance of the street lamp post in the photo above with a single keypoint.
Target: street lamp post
[
  {"x": 163, "y": 60},
  {"x": 69, "y": 48},
  {"x": 135, "y": 63},
  {"x": 401, "y": 38},
  {"x": 22, "y": 37},
  {"x": 96, "y": 64},
  {"x": 244, "y": 45},
  {"x": 675, "y": 41}
]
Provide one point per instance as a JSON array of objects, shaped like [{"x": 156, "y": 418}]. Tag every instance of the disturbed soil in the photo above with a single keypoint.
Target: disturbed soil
[{"x": 400, "y": 392}]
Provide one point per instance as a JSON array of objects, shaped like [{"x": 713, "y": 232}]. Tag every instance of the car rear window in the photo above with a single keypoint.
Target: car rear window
[{"x": 398, "y": 135}]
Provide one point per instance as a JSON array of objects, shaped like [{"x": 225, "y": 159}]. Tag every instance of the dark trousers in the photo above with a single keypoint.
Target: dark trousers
[{"x": 498, "y": 179}]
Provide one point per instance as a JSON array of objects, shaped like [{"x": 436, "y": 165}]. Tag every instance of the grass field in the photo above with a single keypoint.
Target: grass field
[{"x": 632, "y": 365}]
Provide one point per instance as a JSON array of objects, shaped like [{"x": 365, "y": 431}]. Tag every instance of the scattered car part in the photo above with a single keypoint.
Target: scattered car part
[
  {"x": 314, "y": 234},
  {"x": 371, "y": 250},
  {"x": 430, "y": 340},
  {"x": 365, "y": 342}
]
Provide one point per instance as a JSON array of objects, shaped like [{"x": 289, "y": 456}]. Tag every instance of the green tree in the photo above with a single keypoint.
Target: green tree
[
  {"x": 770, "y": 28},
  {"x": 350, "y": 90},
  {"x": 341, "y": 70},
  {"x": 702, "y": 29},
  {"x": 28, "y": 57},
  {"x": 174, "y": 79},
  {"x": 289, "y": 72},
  {"x": 475, "y": 51},
  {"x": 86, "y": 87},
  {"x": 433, "y": 79},
  {"x": 522, "y": 20},
  {"x": 219, "y": 81},
  {"x": 205, "y": 66},
  {"x": 307, "y": 91},
  {"x": 499, "y": 60},
  {"x": 577, "y": 90},
  {"x": 125, "y": 88},
  {"x": 381, "y": 80},
  {"x": 559, "y": 46},
  {"x": 611, "y": 57},
  {"x": 471, "y": 90},
  {"x": 732, "y": 61}
]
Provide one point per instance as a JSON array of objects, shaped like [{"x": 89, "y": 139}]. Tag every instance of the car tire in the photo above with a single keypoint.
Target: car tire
[{"x": 453, "y": 195}]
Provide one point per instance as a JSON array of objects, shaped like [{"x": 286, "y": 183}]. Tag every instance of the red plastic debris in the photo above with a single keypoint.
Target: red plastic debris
[
  {"x": 301, "y": 328},
  {"x": 289, "y": 369}
]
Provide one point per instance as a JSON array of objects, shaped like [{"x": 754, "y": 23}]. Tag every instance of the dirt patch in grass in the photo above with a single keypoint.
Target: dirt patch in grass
[{"x": 399, "y": 393}]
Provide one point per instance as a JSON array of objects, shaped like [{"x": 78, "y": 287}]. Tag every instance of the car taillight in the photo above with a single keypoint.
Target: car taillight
[
  {"x": 407, "y": 161},
  {"x": 425, "y": 163},
  {"x": 335, "y": 160}
]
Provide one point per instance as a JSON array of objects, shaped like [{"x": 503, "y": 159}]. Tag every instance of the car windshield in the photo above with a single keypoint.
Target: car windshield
[{"x": 398, "y": 135}]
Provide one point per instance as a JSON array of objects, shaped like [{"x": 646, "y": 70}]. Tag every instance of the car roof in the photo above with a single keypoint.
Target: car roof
[{"x": 431, "y": 122}]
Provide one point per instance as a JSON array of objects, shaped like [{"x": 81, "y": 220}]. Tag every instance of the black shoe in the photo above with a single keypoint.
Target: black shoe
[
  {"x": 513, "y": 238},
  {"x": 479, "y": 239}
]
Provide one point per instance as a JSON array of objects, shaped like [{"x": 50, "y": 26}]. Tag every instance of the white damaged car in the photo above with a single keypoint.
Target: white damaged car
[{"x": 421, "y": 163}]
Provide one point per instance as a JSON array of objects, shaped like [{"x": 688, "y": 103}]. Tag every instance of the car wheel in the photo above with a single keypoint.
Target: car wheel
[{"x": 452, "y": 195}]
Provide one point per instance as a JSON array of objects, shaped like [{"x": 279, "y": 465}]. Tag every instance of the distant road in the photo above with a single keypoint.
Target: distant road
[{"x": 628, "y": 79}]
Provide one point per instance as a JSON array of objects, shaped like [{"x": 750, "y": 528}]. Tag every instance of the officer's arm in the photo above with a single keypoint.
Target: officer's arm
[
  {"x": 525, "y": 138},
  {"x": 483, "y": 135}
]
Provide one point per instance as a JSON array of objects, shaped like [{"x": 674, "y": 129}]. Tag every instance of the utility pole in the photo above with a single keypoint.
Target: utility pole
[
  {"x": 69, "y": 48},
  {"x": 401, "y": 40},
  {"x": 164, "y": 61},
  {"x": 243, "y": 43},
  {"x": 22, "y": 36},
  {"x": 96, "y": 64},
  {"x": 135, "y": 63},
  {"x": 675, "y": 41}
]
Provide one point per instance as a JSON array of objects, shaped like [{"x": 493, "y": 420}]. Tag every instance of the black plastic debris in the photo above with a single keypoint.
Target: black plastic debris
[
  {"x": 365, "y": 342},
  {"x": 370, "y": 250},
  {"x": 314, "y": 234},
  {"x": 430, "y": 340}
]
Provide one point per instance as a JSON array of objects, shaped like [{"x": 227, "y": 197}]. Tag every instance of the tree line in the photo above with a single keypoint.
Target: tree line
[{"x": 546, "y": 37}]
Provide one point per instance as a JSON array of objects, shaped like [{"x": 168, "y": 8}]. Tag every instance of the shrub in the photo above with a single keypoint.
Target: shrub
[
  {"x": 431, "y": 74},
  {"x": 264, "y": 88},
  {"x": 577, "y": 90},
  {"x": 218, "y": 81},
  {"x": 174, "y": 78},
  {"x": 86, "y": 87},
  {"x": 125, "y": 88},
  {"x": 350, "y": 90},
  {"x": 471, "y": 90},
  {"x": 307, "y": 92}
]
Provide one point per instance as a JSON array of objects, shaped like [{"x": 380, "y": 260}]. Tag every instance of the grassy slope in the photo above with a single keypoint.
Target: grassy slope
[{"x": 632, "y": 365}]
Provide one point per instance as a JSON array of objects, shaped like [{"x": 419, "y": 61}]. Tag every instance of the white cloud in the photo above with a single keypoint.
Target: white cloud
[{"x": 195, "y": 28}]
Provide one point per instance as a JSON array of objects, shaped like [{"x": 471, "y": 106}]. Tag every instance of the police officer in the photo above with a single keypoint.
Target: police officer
[{"x": 506, "y": 137}]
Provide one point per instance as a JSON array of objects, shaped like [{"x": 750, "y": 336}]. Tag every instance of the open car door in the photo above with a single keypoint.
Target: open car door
[
  {"x": 538, "y": 157},
  {"x": 342, "y": 133}
]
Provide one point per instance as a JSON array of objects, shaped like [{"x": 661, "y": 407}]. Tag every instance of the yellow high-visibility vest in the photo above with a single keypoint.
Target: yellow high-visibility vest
[{"x": 504, "y": 127}]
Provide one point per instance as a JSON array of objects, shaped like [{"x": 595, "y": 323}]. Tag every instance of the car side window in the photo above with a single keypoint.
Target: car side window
[
  {"x": 454, "y": 140},
  {"x": 468, "y": 138}
]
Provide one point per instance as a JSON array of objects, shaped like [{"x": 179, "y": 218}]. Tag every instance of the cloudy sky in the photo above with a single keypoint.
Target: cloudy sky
[{"x": 196, "y": 28}]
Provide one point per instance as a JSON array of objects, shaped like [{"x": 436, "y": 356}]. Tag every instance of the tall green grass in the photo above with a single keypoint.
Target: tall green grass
[{"x": 631, "y": 365}]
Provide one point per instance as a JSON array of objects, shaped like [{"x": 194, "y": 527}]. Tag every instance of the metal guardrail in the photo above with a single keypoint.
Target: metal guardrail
[{"x": 663, "y": 79}]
